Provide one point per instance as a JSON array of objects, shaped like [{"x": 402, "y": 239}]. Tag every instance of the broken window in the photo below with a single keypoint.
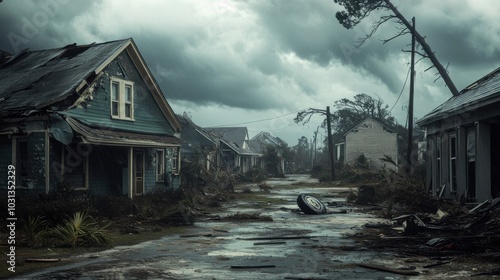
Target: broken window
[
  {"x": 122, "y": 99},
  {"x": 471, "y": 164},
  {"x": 438, "y": 163}
]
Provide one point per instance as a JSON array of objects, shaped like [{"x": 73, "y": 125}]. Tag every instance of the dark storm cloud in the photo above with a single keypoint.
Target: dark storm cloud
[
  {"x": 39, "y": 24},
  {"x": 202, "y": 81},
  {"x": 244, "y": 56},
  {"x": 310, "y": 29}
]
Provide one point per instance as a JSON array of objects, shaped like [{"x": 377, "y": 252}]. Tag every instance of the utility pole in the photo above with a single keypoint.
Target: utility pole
[
  {"x": 330, "y": 143},
  {"x": 410, "y": 106}
]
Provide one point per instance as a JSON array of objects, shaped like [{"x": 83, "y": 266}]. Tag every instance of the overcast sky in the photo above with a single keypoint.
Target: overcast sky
[{"x": 230, "y": 62}]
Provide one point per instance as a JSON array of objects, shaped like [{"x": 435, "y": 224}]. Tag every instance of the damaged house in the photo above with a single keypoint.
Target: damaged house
[
  {"x": 372, "y": 139},
  {"x": 261, "y": 141},
  {"x": 87, "y": 118},
  {"x": 235, "y": 153},
  {"x": 198, "y": 145},
  {"x": 463, "y": 155}
]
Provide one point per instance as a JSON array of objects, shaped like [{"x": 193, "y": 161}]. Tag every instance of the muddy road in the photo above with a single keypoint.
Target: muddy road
[{"x": 292, "y": 246}]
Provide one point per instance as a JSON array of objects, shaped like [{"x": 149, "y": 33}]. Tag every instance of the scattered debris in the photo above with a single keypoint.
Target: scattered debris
[
  {"x": 495, "y": 271},
  {"x": 263, "y": 186},
  {"x": 248, "y": 217}
]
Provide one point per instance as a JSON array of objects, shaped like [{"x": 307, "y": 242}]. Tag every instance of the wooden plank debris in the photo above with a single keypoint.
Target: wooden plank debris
[
  {"x": 275, "y": 237},
  {"x": 269, "y": 243},
  {"x": 253, "y": 266},
  {"x": 43, "y": 260},
  {"x": 388, "y": 269}
]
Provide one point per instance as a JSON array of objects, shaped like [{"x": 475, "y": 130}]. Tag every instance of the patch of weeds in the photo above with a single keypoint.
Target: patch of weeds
[
  {"x": 34, "y": 231},
  {"x": 80, "y": 230}
]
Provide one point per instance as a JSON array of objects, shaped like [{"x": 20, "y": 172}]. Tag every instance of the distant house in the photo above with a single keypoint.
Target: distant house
[
  {"x": 236, "y": 154},
  {"x": 372, "y": 139},
  {"x": 463, "y": 133},
  {"x": 263, "y": 139},
  {"x": 87, "y": 118},
  {"x": 198, "y": 145}
]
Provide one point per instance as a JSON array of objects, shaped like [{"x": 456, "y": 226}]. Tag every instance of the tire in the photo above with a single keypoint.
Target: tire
[{"x": 310, "y": 205}]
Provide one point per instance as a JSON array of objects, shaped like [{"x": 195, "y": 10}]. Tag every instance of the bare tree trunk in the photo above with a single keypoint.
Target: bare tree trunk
[
  {"x": 427, "y": 49},
  {"x": 330, "y": 143}
]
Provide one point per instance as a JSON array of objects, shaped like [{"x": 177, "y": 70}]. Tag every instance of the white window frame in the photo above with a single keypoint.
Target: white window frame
[
  {"x": 122, "y": 101},
  {"x": 160, "y": 162}
]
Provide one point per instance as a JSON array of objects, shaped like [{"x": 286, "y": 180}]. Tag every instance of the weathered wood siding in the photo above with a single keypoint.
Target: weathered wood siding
[
  {"x": 5, "y": 159},
  {"x": 374, "y": 141},
  {"x": 148, "y": 117}
]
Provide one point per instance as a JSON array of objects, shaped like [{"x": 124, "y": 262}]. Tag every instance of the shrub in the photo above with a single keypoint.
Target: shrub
[
  {"x": 80, "y": 230},
  {"x": 34, "y": 230}
]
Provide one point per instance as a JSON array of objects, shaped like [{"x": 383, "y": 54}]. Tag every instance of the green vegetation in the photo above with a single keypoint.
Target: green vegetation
[{"x": 80, "y": 230}]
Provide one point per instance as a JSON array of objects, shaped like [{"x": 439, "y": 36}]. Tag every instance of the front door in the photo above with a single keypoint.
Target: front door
[{"x": 139, "y": 172}]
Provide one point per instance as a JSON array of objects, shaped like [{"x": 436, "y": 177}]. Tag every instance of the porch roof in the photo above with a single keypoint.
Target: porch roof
[{"x": 100, "y": 136}]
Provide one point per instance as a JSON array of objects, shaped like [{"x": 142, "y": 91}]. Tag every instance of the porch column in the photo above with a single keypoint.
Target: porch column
[
  {"x": 131, "y": 172},
  {"x": 483, "y": 162}
]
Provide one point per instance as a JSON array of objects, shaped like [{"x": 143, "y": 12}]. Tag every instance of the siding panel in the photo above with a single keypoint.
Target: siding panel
[{"x": 147, "y": 114}]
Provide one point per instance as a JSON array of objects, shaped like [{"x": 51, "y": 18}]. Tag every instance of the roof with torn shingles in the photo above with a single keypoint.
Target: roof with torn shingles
[
  {"x": 262, "y": 139},
  {"x": 115, "y": 137},
  {"x": 479, "y": 93},
  {"x": 34, "y": 79}
]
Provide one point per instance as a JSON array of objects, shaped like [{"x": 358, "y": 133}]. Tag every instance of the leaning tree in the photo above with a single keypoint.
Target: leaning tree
[{"x": 356, "y": 10}]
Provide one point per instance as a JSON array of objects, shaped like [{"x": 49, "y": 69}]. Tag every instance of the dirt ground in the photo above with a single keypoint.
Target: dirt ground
[{"x": 263, "y": 235}]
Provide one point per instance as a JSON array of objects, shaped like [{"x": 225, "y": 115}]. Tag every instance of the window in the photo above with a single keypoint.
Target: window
[
  {"x": 115, "y": 99},
  {"x": 453, "y": 163},
  {"x": 174, "y": 160},
  {"x": 160, "y": 165},
  {"x": 122, "y": 99}
]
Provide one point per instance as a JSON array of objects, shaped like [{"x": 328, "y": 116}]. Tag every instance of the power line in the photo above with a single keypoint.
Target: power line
[
  {"x": 268, "y": 119},
  {"x": 404, "y": 85}
]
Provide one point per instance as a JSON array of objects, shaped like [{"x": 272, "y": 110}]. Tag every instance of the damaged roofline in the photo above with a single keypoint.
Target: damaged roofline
[
  {"x": 466, "y": 108},
  {"x": 132, "y": 50}
]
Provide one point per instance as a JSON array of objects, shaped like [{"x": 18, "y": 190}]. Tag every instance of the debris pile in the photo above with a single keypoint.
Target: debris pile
[{"x": 464, "y": 233}]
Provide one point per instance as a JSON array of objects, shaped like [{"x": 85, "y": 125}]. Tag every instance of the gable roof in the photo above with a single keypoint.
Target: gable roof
[
  {"x": 32, "y": 81},
  {"x": 480, "y": 93},
  {"x": 259, "y": 141},
  {"x": 387, "y": 128},
  {"x": 194, "y": 136},
  {"x": 234, "y": 137}
]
